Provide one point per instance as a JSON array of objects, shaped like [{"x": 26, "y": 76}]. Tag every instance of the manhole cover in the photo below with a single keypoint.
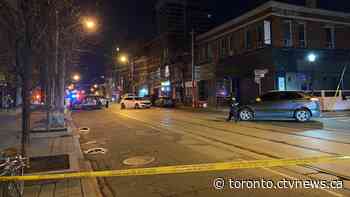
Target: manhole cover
[
  {"x": 95, "y": 151},
  {"x": 84, "y": 130},
  {"x": 138, "y": 161}
]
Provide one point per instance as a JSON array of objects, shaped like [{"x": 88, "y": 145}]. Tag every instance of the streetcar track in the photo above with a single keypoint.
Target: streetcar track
[
  {"x": 256, "y": 137},
  {"x": 293, "y": 133},
  {"x": 269, "y": 130},
  {"x": 269, "y": 155}
]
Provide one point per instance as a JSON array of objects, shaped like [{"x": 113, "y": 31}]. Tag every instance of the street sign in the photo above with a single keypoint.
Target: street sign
[
  {"x": 257, "y": 80},
  {"x": 260, "y": 72},
  {"x": 197, "y": 71}
]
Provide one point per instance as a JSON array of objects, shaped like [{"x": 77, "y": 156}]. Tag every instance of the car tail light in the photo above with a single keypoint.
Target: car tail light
[{"x": 314, "y": 99}]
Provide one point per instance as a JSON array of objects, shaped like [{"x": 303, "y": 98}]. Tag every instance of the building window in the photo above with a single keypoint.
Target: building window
[
  {"x": 203, "y": 53},
  {"x": 248, "y": 39},
  {"x": 232, "y": 47},
  {"x": 224, "y": 47},
  {"x": 330, "y": 39},
  {"x": 210, "y": 51},
  {"x": 302, "y": 35},
  {"x": 260, "y": 32},
  {"x": 287, "y": 33},
  {"x": 267, "y": 32}
]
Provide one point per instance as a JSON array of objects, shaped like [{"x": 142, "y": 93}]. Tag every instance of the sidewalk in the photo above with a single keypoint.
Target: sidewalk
[{"x": 49, "y": 144}]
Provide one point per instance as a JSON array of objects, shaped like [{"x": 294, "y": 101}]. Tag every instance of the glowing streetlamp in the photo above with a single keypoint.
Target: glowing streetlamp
[
  {"x": 311, "y": 57},
  {"x": 76, "y": 77},
  {"x": 96, "y": 86},
  {"x": 123, "y": 59},
  {"x": 90, "y": 24}
]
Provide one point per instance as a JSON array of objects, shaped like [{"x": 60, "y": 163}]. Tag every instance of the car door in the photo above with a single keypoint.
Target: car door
[
  {"x": 289, "y": 103},
  {"x": 128, "y": 102},
  {"x": 269, "y": 106}
]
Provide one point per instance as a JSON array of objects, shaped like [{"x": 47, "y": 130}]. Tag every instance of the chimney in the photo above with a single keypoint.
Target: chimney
[{"x": 311, "y": 3}]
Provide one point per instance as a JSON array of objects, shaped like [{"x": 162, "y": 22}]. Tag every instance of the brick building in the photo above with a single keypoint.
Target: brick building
[
  {"x": 162, "y": 67},
  {"x": 276, "y": 46}
]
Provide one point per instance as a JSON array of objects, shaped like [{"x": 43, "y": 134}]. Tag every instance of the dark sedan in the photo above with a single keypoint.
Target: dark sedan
[
  {"x": 282, "y": 104},
  {"x": 165, "y": 102}
]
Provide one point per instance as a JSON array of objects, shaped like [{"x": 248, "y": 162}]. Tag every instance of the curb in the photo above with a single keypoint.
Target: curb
[{"x": 90, "y": 187}]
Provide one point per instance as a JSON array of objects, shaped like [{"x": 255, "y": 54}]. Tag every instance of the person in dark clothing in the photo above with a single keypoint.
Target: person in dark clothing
[
  {"x": 234, "y": 108},
  {"x": 107, "y": 103}
]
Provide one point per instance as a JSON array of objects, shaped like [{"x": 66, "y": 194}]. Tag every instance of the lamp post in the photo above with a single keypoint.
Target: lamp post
[
  {"x": 312, "y": 59},
  {"x": 76, "y": 77}
]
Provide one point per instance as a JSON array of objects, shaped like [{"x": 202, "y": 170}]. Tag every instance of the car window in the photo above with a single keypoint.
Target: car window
[
  {"x": 290, "y": 95},
  {"x": 271, "y": 96}
]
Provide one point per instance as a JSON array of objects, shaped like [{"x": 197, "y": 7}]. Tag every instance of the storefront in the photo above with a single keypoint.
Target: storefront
[
  {"x": 165, "y": 89},
  {"x": 143, "y": 91}
]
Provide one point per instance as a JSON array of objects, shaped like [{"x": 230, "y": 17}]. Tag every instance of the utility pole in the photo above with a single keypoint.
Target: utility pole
[{"x": 194, "y": 85}]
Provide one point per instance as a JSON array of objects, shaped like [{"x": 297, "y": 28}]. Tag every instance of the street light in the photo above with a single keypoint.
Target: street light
[
  {"x": 90, "y": 24},
  {"x": 96, "y": 86},
  {"x": 123, "y": 59},
  {"x": 76, "y": 77},
  {"x": 311, "y": 57}
]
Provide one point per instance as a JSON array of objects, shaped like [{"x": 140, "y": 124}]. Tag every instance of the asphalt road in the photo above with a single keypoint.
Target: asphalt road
[{"x": 176, "y": 137}]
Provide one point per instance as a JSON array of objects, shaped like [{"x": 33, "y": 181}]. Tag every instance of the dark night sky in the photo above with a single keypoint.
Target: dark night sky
[{"x": 124, "y": 21}]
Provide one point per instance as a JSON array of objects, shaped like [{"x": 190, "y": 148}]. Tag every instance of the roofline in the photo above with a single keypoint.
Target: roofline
[
  {"x": 162, "y": 2},
  {"x": 272, "y": 4}
]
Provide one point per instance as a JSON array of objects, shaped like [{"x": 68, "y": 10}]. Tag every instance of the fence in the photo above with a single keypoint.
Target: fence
[{"x": 330, "y": 102}]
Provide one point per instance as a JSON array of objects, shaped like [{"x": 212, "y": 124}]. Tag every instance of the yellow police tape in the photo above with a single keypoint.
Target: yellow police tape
[{"x": 181, "y": 168}]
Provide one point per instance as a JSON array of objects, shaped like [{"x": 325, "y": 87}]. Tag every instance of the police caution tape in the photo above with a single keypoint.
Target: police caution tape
[{"x": 181, "y": 168}]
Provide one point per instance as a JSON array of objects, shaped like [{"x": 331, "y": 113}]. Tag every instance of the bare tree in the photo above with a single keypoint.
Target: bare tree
[{"x": 35, "y": 27}]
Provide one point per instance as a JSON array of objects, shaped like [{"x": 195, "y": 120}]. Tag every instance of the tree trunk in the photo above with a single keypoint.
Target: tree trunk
[{"x": 27, "y": 80}]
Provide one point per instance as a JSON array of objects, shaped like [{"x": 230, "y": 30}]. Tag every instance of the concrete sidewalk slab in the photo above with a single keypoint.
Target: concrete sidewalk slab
[{"x": 50, "y": 144}]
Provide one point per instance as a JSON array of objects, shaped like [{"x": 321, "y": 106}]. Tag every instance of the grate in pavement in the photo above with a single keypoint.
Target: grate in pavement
[{"x": 48, "y": 163}]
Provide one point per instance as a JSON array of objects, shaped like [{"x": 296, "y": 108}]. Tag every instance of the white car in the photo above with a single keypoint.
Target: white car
[{"x": 134, "y": 102}]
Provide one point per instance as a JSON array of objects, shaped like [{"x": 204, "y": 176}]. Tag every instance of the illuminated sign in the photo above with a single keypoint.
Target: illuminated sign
[
  {"x": 281, "y": 83},
  {"x": 165, "y": 83}
]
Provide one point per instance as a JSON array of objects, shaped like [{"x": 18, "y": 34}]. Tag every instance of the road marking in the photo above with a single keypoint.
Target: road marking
[{"x": 181, "y": 169}]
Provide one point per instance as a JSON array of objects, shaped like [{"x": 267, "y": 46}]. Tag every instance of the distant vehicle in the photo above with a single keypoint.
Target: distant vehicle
[
  {"x": 88, "y": 102},
  {"x": 164, "y": 102},
  {"x": 282, "y": 104},
  {"x": 135, "y": 102}
]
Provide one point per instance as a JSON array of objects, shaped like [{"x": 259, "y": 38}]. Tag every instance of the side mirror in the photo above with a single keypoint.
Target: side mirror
[{"x": 258, "y": 100}]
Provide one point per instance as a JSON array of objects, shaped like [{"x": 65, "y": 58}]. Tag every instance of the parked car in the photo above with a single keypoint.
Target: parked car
[
  {"x": 164, "y": 102},
  {"x": 282, "y": 104},
  {"x": 134, "y": 102}
]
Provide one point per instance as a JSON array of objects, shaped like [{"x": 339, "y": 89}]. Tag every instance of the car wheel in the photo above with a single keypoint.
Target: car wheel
[
  {"x": 246, "y": 115},
  {"x": 302, "y": 115},
  {"x": 122, "y": 106},
  {"x": 137, "y": 106}
]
